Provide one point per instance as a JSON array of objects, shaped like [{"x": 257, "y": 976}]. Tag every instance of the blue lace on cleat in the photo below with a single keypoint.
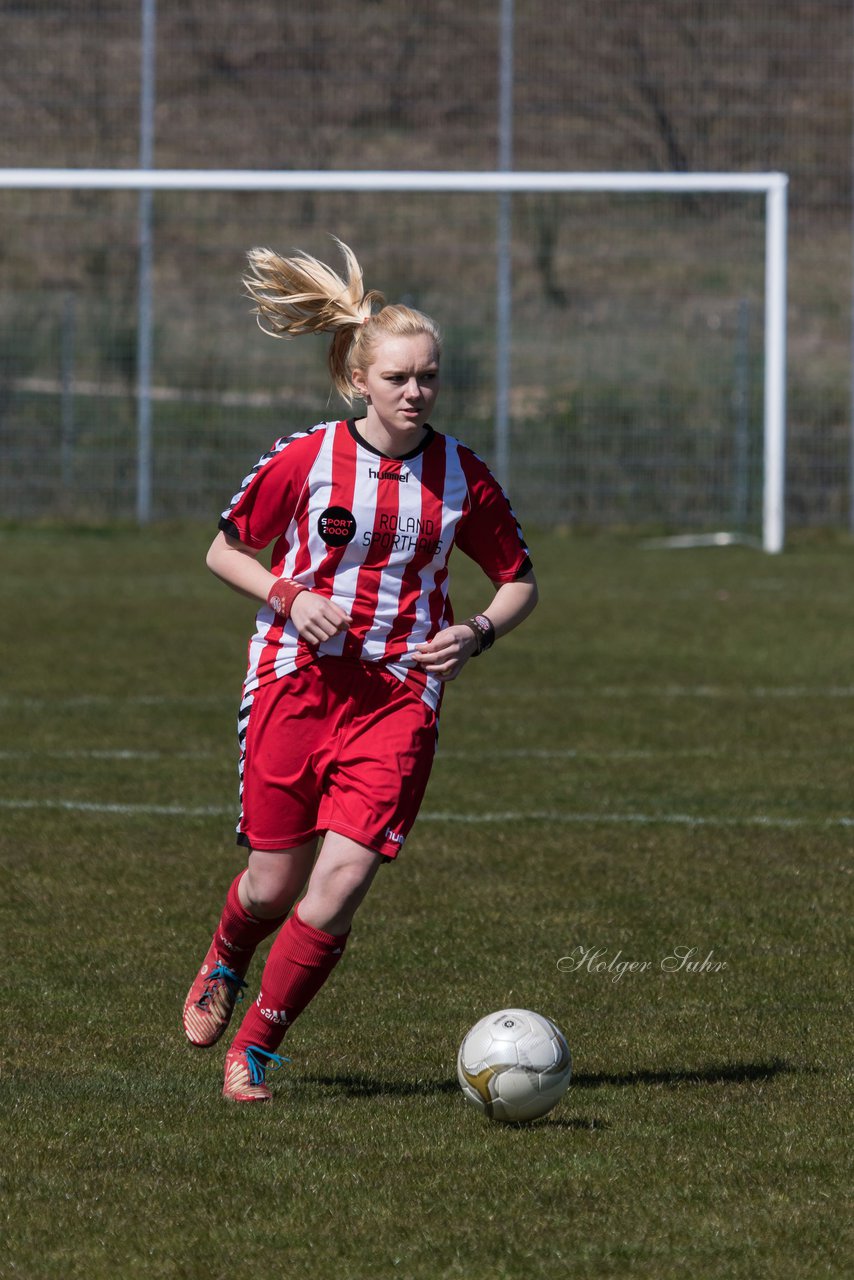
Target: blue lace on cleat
[
  {"x": 245, "y": 1070},
  {"x": 210, "y": 1001}
]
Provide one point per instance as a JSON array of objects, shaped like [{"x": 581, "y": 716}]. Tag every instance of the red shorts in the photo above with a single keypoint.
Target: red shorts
[{"x": 338, "y": 745}]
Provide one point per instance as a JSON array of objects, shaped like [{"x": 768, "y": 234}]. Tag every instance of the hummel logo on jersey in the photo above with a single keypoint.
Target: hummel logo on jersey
[
  {"x": 402, "y": 477},
  {"x": 394, "y": 836}
]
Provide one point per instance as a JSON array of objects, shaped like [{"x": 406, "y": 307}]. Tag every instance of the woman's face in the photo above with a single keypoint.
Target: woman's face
[{"x": 401, "y": 386}]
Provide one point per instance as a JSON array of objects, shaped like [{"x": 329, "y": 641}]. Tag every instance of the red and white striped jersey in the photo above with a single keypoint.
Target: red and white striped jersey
[{"x": 374, "y": 534}]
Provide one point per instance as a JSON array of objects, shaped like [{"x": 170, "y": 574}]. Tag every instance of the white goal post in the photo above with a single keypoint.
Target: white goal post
[{"x": 773, "y": 186}]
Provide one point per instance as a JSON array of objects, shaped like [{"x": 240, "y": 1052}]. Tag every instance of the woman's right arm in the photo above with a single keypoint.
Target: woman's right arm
[
  {"x": 237, "y": 565},
  {"x": 315, "y": 617}
]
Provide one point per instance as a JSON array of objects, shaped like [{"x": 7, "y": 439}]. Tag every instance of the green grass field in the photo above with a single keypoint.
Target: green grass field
[{"x": 660, "y": 759}]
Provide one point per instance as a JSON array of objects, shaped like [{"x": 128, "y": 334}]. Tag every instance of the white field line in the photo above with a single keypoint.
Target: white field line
[
  {"x": 710, "y": 691},
  {"x": 125, "y": 810},
  {"x": 638, "y": 819},
  {"x": 552, "y": 817},
  {"x": 107, "y": 753},
  {"x": 109, "y": 701},
  {"x": 450, "y": 754},
  {"x": 619, "y": 692}
]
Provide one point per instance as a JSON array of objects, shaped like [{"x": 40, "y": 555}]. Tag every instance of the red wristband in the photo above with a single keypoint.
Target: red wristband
[{"x": 282, "y": 595}]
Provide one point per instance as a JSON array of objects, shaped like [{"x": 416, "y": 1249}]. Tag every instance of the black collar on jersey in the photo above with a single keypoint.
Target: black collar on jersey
[{"x": 360, "y": 439}]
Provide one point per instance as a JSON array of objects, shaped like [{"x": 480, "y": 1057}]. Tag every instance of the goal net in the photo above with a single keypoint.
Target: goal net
[{"x": 631, "y": 375}]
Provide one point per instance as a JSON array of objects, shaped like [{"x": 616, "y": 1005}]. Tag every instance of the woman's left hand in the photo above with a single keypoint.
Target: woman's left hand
[{"x": 447, "y": 653}]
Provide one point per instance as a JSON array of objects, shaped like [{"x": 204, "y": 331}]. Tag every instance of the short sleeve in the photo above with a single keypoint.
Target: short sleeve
[
  {"x": 266, "y": 501},
  {"x": 488, "y": 530}
]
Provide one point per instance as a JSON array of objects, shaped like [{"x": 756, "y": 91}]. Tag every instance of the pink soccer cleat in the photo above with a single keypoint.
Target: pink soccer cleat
[
  {"x": 210, "y": 1001},
  {"x": 244, "y": 1074}
]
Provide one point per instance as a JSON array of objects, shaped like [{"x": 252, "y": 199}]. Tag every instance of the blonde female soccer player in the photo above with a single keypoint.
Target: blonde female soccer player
[{"x": 353, "y": 643}]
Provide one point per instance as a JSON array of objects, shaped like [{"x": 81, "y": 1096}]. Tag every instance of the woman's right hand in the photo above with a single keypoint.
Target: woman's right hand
[{"x": 317, "y": 619}]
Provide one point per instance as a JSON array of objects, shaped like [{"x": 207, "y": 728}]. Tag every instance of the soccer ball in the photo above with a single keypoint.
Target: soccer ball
[{"x": 514, "y": 1065}]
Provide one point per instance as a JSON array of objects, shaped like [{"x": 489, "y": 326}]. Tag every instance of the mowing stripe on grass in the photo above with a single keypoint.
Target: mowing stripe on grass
[{"x": 511, "y": 815}]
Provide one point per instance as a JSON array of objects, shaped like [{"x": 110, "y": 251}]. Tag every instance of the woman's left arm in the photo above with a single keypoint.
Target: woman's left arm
[{"x": 449, "y": 651}]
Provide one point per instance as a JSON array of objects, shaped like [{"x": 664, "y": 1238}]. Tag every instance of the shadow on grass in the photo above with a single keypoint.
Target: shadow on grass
[
  {"x": 367, "y": 1087},
  {"x": 358, "y": 1086},
  {"x": 729, "y": 1073},
  {"x": 578, "y": 1123}
]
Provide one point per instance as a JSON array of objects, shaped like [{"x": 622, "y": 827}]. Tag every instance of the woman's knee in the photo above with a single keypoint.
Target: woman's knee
[
  {"x": 274, "y": 879},
  {"x": 341, "y": 877}
]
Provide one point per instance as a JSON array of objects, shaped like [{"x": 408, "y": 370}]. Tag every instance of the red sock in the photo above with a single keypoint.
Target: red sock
[
  {"x": 300, "y": 961},
  {"x": 239, "y": 932}
]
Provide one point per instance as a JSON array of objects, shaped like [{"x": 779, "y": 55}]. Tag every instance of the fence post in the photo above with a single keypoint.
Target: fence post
[
  {"x": 146, "y": 253},
  {"x": 504, "y": 249},
  {"x": 67, "y": 344}
]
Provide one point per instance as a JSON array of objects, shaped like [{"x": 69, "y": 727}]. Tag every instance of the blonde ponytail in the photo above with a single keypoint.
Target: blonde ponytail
[{"x": 300, "y": 295}]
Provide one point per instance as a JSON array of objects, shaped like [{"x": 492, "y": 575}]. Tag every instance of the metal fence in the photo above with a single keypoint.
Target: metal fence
[{"x": 634, "y": 380}]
